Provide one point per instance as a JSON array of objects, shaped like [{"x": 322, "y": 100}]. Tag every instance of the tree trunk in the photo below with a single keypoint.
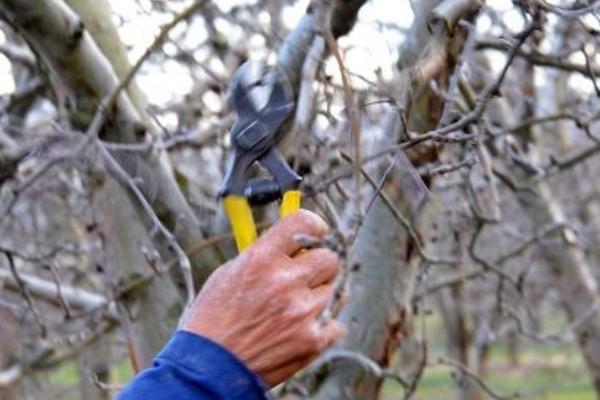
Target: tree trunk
[
  {"x": 512, "y": 350},
  {"x": 77, "y": 63},
  {"x": 153, "y": 307},
  {"x": 374, "y": 322},
  {"x": 9, "y": 336},
  {"x": 383, "y": 262},
  {"x": 562, "y": 252},
  {"x": 570, "y": 271},
  {"x": 97, "y": 17},
  {"x": 94, "y": 364}
]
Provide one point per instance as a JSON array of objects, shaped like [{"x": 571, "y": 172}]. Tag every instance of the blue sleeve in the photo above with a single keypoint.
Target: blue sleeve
[{"x": 193, "y": 367}]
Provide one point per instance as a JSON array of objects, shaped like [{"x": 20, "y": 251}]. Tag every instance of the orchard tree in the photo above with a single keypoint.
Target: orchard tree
[{"x": 457, "y": 168}]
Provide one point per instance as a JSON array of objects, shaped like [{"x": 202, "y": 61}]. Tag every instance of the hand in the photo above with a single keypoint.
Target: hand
[{"x": 264, "y": 305}]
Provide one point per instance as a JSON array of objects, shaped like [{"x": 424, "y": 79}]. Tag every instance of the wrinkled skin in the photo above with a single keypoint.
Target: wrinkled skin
[{"x": 265, "y": 305}]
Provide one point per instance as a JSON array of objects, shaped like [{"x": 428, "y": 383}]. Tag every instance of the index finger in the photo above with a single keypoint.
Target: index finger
[
  {"x": 317, "y": 267},
  {"x": 281, "y": 237}
]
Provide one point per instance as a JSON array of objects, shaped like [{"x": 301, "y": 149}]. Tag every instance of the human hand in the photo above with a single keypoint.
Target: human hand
[{"x": 264, "y": 305}]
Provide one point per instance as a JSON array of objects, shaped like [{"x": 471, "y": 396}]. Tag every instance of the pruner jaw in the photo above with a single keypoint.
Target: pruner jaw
[
  {"x": 255, "y": 134},
  {"x": 239, "y": 95},
  {"x": 279, "y": 104}
]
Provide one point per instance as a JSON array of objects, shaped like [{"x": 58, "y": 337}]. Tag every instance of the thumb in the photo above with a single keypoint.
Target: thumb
[{"x": 281, "y": 237}]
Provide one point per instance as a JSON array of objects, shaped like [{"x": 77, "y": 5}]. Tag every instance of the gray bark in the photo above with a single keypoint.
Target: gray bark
[
  {"x": 563, "y": 254},
  {"x": 571, "y": 273},
  {"x": 376, "y": 312},
  {"x": 382, "y": 283},
  {"x": 154, "y": 307},
  {"x": 79, "y": 66},
  {"x": 95, "y": 363},
  {"x": 9, "y": 335}
]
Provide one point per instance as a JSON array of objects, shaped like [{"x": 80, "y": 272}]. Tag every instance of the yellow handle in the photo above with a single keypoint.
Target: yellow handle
[
  {"x": 290, "y": 203},
  {"x": 242, "y": 223},
  {"x": 240, "y": 216}
]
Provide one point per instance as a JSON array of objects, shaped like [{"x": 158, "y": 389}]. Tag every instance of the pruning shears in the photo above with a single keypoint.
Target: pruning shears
[{"x": 254, "y": 137}]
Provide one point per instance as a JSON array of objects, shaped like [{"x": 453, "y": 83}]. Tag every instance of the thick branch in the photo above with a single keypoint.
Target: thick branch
[
  {"x": 541, "y": 59},
  {"x": 58, "y": 34},
  {"x": 49, "y": 291}
]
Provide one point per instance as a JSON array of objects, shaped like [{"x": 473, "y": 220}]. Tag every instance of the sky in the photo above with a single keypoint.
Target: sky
[
  {"x": 137, "y": 19},
  {"x": 365, "y": 42}
]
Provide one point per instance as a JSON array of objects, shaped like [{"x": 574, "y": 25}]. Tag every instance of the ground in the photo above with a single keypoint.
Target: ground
[{"x": 544, "y": 373}]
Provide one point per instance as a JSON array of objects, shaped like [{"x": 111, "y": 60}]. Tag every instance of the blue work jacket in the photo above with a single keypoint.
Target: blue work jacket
[{"x": 195, "y": 368}]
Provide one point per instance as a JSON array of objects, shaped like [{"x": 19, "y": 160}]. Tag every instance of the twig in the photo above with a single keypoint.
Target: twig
[
  {"x": 588, "y": 65},
  {"x": 352, "y": 111},
  {"x": 541, "y": 59},
  {"x": 569, "y": 13},
  {"x": 451, "y": 281},
  {"x": 46, "y": 290},
  {"x": 25, "y": 294},
  {"x": 491, "y": 90},
  {"x": 402, "y": 220},
  {"x": 365, "y": 362},
  {"x": 421, "y": 369},
  {"x": 196, "y": 139},
  {"x": 106, "y": 387},
  {"x": 132, "y": 351},
  {"x": 569, "y": 161},
  {"x": 98, "y": 122},
  {"x": 473, "y": 375},
  {"x": 158, "y": 41},
  {"x": 564, "y": 337},
  {"x": 541, "y": 120},
  {"x": 542, "y": 233},
  {"x": 40, "y": 172},
  {"x": 484, "y": 263},
  {"x": 447, "y": 168},
  {"x": 184, "y": 262},
  {"x": 59, "y": 295},
  {"x": 470, "y": 275}
]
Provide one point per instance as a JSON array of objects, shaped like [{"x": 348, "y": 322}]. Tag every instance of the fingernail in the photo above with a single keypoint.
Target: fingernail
[
  {"x": 319, "y": 222},
  {"x": 307, "y": 241}
]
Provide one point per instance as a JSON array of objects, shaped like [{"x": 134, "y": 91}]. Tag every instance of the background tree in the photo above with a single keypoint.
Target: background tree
[{"x": 456, "y": 168}]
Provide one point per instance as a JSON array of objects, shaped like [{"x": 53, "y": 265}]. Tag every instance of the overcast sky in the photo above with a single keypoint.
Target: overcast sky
[
  {"x": 365, "y": 44},
  {"x": 366, "y": 41}
]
